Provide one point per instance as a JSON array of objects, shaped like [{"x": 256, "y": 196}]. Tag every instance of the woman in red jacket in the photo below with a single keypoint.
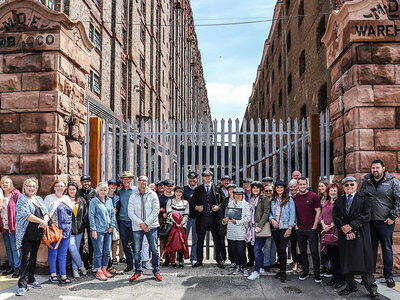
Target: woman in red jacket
[{"x": 7, "y": 225}]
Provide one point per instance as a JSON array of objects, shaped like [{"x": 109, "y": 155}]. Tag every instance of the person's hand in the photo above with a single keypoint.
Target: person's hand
[
  {"x": 165, "y": 215},
  {"x": 351, "y": 236},
  {"x": 274, "y": 223},
  {"x": 43, "y": 224},
  {"x": 324, "y": 226},
  {"x": 110, "y": 230},
  {"x": 258, "y": 229},
  {"x": 296, "y": 227},
  {"x": 94, "y": 235},
  {"x": 178, "y": 225},
  {"x": 162, "y": 210},
  {"x": 146, "y": 228},
  {"x": 314, "y": 227},
  {"x": 142, "y": 225},
  {"x": 234, "y": 221},
  {"x": 225, "y": 220},
  {"x": 199, "y": 208},
  {"x": 215, "y": 208},
  {"x": 288, "y": 232},
  {"x": 389, "y": 221},
  {"x": 346, "y": 228}
]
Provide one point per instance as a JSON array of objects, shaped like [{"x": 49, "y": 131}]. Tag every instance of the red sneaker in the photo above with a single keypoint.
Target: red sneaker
[
  {"x": 107, "y": 274},
  {"x": 158, "y": 276},
  {"x": 135, "y": 276},
  {"x": 101, "y": 276}
]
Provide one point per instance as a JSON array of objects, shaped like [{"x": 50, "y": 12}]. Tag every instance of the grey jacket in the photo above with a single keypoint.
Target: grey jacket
[
  {"x": 385, "y": 199},
  {"x": 147, "y": 214}
]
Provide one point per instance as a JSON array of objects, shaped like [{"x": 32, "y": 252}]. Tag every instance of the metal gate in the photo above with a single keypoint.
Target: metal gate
[{"x": 251, "y": 149}]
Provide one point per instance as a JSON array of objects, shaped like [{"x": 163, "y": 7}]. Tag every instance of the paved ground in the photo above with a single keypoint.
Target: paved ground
[{"x": 207, "y": 282}]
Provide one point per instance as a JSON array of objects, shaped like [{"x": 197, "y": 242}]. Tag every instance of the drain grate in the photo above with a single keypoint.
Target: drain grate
[{"x": 291, "y": 290}]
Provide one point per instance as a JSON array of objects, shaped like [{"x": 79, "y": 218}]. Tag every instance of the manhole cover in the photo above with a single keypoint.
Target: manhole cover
[{"x": 291, "y": 290}]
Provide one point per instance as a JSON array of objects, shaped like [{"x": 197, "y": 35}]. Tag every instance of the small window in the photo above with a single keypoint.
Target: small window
[
  {"x": 94, "y": 82},
  {"x": 280, "y": 98},
  {"x": 143, "y": 7},
  {"x": 279, "y": 28},
  {"x": 303, "y": 112},
  {"x": 51, "y": 4},
  {"x": 280, "y": 61},
  {"x": 124, "y": 10},
  {"x": 288, "y": 41},
  {"x": 98, "y": 2},
  {"x": 123, "y": 75},
  {"x": 273, "y": 110},
  {"x": 91, "y": 32},
  {"x": 273, "y": 76},
  {"x": 323, "y": 97},
  {"x": 90, "y": 81},
  {"x": 289, "y": 83},
  {"x": 142, "y": 34},
  {"x": 123, "y": 107},
  {"x": 320, "y": 32},
  {"x": 287, "y": 5},
  {"x": 301, "y": 12},
  {"x": 124, "y": 38},
  {"x": 272, "y": 48},
  {"x": 302, "y": 63},
  {"x": 267, "y": 88},
  {"x": 97, "y": 40},
  {"x": 142, "y": 63},
  {"x": 142, "y": 106}
]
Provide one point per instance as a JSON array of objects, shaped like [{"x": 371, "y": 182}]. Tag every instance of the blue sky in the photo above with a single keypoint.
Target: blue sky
[{"x": 231, "y": 54}]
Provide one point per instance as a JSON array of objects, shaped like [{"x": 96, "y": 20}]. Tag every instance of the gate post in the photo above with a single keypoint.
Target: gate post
[
  {"x": 363, "y": 50},
  {"x": 315, "y": 152}
]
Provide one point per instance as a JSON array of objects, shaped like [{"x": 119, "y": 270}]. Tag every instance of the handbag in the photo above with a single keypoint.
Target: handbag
[
  {"x": 52, "y": 234},
  {"x": 265, "y": 232},
  {"x": 164, "y": 229},
  {"x": 116, "y": 235}
]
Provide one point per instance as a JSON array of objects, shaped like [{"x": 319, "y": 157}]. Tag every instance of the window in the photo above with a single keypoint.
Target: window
[
  {"x": 98, "y": 2},
  {"x": 123, "y": 107},
  {"x": 301, "y": 12},
  {"x": 280, "y": 98},
  {"x": 288, "y": 41},
  {"x": 272, "y": 48},
  {"x": 142, "y": 63},
  {"x": 51, "y": 4},
  {"x": 302, "y": 63},
  {"x": 323, "y": 97},
  {"x": 142, "y": 34},
  {"x": 143, "y": 7},
  {"x": 273, "y": 110},
  {"x": 320, "y": 32},
  {"x": 90, "y": 82},
  {"x": 124, "y": 10},
  {"x": 280, "y": 61},
  {"x": 287, "y": 5},
  {"x": 123, "y": 75},
  {"x": 303, "y": 112},
  {"x": 95, "y": 37},
  {"x": 94, "y": 82},
  {"x": 66, "y": 7},
  {"x": 279, "y": 28},
  {"x": 289, "y": 83},
  {"x": 267, "y": 88},
  {"x": 91, "y": 32},
  {"x": 273, "y": 76},
  {"x": 142, "y": 100},
  {"x": 124, "y": 38}
]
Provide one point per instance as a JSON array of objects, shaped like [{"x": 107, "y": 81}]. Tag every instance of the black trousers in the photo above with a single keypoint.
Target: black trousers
[
  {"x": 368, "y": 278},
  {"x": 250, "y": 253},
  {"x": 239, "y": 252},
  {"x": 204, "y": 224},
  {"x": 281, "y": 243},
  {"x": 87, "y": 258},
  {"x": 333, "y": 255},
  {"x": 29, "y": 252},
  {"x": 310, "y": 235},
  {"x": 293, "y": 247},
  {"x": 223, "y": 248}
]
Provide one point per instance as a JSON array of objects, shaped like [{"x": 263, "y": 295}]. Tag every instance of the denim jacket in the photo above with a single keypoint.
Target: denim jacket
[
  {"x": 99, "y": 219},
  {"x": 288, "y": 213}
]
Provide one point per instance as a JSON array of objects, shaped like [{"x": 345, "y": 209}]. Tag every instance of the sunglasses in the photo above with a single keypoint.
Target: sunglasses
[
  {"x": 268, "y": 191},
  {"x": 349, "y": 184}
]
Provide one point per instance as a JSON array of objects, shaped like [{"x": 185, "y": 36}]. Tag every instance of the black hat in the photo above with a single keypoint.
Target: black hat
[
  {"x": 178, "y": 188},
  {"x": 256, "y": 183},
  {"x": 281, "y": 183},
  {"x": 74, "y": 184},
  {"x": 86, "y": 177},
  {"x": 239, "y": 191},
  {"x": 231, "y": 185},
  {"x": 226, "y": 177},
  {"x": 169, "y": 182},
  {"x": 247, "y": 180},
  {"x": 266, "y": 179},
  {"x": 193, "y": 175},
  {"x": 119, "y": 181},
  {"x": 207, "y": 173},
  {"x": 160, "y": 182},
  {"x": 112, "y": 181}
]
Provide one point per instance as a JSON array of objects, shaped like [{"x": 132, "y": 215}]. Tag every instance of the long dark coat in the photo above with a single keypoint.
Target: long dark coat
[{"x": 356, "y": 255}]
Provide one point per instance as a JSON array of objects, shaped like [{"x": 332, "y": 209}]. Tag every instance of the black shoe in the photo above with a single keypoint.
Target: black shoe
[
  {"x": 250, "y": 264},
  {"x": 304, "y": 276},
  {"x": 324, "y": 270},
  {"x": 375, "y": 296},
  {"x": 278, "y": 275},
  {"x": 128, "y": 268},
  {"x": 267, "y": 268},
  {"x": 390, "y": 283},
  {"x": 220, "y": 265},
  {"x": 347, "y": 291},
  {"x": 339, "y": 284},
  {"x": 197, "y": 264},
  {"x": 8, "y": 272},
  {"x": 17, "y": 272},
  {"x": 181, "y": 264},
  {"x": 283, "y": 277},
  {"x": 165, "y": 263},
  {"x": 317, "y": 278},
  {"x": 276, "y": 266},
  {"x": 331, "y": 282},
  {"x": 174, "y": 265}
]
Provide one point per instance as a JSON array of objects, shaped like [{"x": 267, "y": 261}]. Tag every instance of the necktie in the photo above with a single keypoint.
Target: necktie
[
  {"x": 207, "y": 189},
  {"x": 349, "y": 201}
]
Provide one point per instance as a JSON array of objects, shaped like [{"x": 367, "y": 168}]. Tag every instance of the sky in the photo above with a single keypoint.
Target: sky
[{"x": 231, "y": 54}]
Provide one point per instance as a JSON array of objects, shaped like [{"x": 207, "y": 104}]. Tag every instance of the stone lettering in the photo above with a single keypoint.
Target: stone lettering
[
  {"x": 377, "y": 30},
  {"x": 11, "y": 41},
  {"x": 19, "y": 22},
  {"x": 49, "y": 39},
  {"x": 33, "y": 24},
  {"x": 393, "y": 9},
  {"x": 39, "y": 40}
]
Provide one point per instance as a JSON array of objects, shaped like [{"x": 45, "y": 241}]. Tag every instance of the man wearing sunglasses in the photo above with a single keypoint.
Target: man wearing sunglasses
[
  {"x": 351, "y": 214},
  {"x": 383, "y": 191}
]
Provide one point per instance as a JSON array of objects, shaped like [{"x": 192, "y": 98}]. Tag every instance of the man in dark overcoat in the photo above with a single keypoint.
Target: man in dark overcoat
[{"x": 351, "y": 215}]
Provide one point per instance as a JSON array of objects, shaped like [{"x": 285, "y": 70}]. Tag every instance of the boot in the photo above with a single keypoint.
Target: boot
[
  {"x": 8, "y": 272},
  {"x": 17, "y": 272}
]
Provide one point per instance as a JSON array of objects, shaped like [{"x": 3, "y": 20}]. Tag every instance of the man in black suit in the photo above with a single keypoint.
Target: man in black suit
[
  {"x": 206, "y": 201},
  {"x": 351, "y": 215}
]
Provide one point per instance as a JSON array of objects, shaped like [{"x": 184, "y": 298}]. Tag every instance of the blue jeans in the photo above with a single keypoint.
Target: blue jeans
[
  {"x": 13, "y": 254},
  {"x": 383, "y": 233},
  {"x": 60, "y": 255},
  {"x": 258, "y": 254},
  {"x": 73, "y": 249},
  {"x": 269, "y": 251},
  {"x": 125, "y": 232},
  {"x": 137, "y": 249},
  {"x": 191, "y": 224},
  {"x": 102, "y": 248}
]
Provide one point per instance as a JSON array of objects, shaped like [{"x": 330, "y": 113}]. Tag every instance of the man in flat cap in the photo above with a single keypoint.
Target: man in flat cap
[
  {"x": 247, "y": 188},
  {"x": 207, "y": 200},
  {"x": 352, "y": 214},
  {"x": 267, "y": 181},
  {"x": 188, "y": 190},
  {"x": 225, "y": 180}
]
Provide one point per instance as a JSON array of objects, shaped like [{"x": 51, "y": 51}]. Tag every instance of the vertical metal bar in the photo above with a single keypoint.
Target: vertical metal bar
[
  {"x": 281, "y": 161},
  {"x": 237, "y": 152},
  {"x": 102, "y": 151},
  {"x": 289, "y": 148},
  {"x": 106, "y": 148},
  {"x": 200, "y": 130},
  {"x": 142, "y": 156},
  {"x": 114, "y": 150},
  {"x": 163, "y": 171},
  {"x": 178, "y": 152},
  {"x": 267, "y": 135},
  {"x": 171, "y": 149},
  {"x": 259, "y": 148},
  {"x": 303, "y": 147},
  {"x": 121, "y": 146},
  {"x": 149, "y": 150},
  {"x": 230, "y": 147},
  {"x": 222, "y": 162},
  {"x": 193, "y": 133},
  {"x": 309, "y": 147},
  {"x": 328, "y": 144},
  {"x": 296, "y": 145},
  {"x": 128, "y": 145},
  {"x": 208, "y": 137},
  {"x": 322, "y": 145},
  {"x": 215, "y": 151},
  {"x": 185, "y": 151},
  {"x": 252, "y": 147},
  {"x": 135, "y": 151},
  {"x": 274, "y": 149},
  {"x": 156, "y": 135},
  {"x": 244, "y": 163}
]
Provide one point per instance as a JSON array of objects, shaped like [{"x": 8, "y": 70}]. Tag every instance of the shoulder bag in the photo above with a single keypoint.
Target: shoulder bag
[{"x": 52, "y": 234}]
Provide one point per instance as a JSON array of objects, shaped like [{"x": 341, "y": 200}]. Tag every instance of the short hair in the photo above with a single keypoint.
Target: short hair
[
  {"x": 8, "y": 178},
  {"x": 102, "y": 185},
  {"x": 293, "y": 182},
  {"x": 27, "y": 181},
  {"x": 58, "y": 181},
  {"x": 335, "y": 185},
  {"x": 303, "y": 178},
  {"x": 378, "y": 161},
  {"x": 325, "y": 181}
]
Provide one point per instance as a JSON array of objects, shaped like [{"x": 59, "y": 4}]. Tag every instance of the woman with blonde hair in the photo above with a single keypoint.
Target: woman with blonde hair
[
  {"x": 32, "y": 217},
  {"x": 60, "y": 209},
  {"x": 7, "y": 225}
]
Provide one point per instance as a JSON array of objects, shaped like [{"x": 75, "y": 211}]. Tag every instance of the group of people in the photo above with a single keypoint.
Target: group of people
[{"x": 341, "y": 226}]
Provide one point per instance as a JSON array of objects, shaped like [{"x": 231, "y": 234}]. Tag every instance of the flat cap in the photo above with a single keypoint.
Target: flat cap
[
  {"x": 266, "y": 179},
  {"x": 348, "y": 178},
  {"x": 86, "y": 177},
  {"x": 247, "y": 180},
  {"x": 193, "y": 175},
  {"x": 169, "y": 182},
  {"x": 207, "y": 173},
  {"x": 281, "y": 183},
  {"x": 239, "y": 191},
  {"x": 112, "y": 181},
  {"x": 159, "y": 183},
  {"x": 231, "y": 185},
  {"x": 226, "y": 177},
  {"x": 256, "y": 183},
  {"x": 178, "y": 188}
]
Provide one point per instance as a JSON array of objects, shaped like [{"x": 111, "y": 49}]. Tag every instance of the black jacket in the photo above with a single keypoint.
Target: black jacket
[
  {"x": 87, "y": 195},
  {"x": 81, "y": 219},
  {"x": 355, "y": 255},
  {"x": 197, "y": 198},
  {"x": 187, "y": 195}
]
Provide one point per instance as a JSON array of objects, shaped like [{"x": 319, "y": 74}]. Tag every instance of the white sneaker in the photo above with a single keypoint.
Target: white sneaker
[
  {"x": 83, "y": 270},
  {"x": 262, "y": 271},
  {"x": 254, "y": 275},
  {"x": 245, "y": 272},
  {"x": 76, "y": 273},
  {"x": 148, "y": 265}
]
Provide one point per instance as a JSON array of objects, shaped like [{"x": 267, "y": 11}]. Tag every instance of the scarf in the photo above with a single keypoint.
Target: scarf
[
  {"x": 52, "y": 202},
  {"x": 251, "y": 231}
]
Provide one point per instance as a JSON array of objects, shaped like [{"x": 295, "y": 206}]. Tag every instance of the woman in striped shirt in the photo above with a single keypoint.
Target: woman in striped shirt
[{"x": 177, "y": 204}]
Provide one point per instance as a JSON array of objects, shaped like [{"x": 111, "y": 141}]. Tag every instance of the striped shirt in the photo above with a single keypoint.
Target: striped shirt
[
  {"x": 181, "y": 207},
  {"x": 237, "y": 232}
]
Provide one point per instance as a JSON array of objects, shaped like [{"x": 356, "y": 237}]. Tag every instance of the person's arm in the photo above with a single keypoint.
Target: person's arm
[
  {"x": 245, "y": 215},
  {"x": 92, "y": 212},
  {"x": 336, "y": 215},
  {"x": 185, "y": 214},
  {"x": 266, "y": 211},
  {"x": 155, "y": 208},
  {"x": 292, "y": 211},
  {"x": 169, "y": 210},
  {"x": 364, "y": 217},
  {"x": 395, "y": 211},
  {"x": 131, "y": 211},
  {"x": 317, "y": 208},
  {"x": 112, "y": 215}
]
